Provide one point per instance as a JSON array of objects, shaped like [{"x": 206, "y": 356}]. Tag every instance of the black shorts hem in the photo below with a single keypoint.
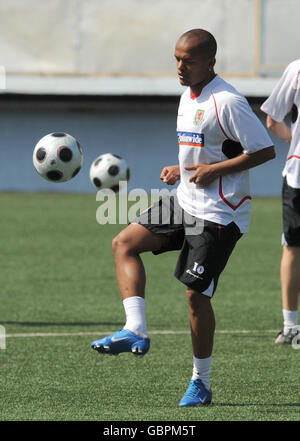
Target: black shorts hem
[
  {"x": 174, "y": 243},
  {"x": 291, "y": 214}
]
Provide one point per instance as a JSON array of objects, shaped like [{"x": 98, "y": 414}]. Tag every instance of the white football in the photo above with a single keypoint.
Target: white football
[
  {"x": 58, "y": 157},
  {"x": 108, "y": 170}
]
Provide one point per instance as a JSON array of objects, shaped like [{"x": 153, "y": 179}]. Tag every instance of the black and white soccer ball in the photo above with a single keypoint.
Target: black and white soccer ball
[
  {"x": 58, "y": 157},
  {"x": 108, "y": 170}
]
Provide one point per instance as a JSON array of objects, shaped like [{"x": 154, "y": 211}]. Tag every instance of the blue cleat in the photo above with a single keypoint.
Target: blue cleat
[
  {"x": 196, "y": 395},
  {"x": 122, "y": 341}
]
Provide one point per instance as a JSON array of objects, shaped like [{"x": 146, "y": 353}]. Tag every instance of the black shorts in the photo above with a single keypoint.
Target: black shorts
[
  {"x": 205, "y": 246},
  {"x": 291, "y": 215}
]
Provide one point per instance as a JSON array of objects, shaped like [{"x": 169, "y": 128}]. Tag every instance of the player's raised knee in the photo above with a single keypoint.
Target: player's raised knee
[{"x": 122, "y": 242}]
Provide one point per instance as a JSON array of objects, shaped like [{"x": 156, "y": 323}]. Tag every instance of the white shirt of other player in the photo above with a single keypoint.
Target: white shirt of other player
[
  {"x": 218, "y": 114},
  {"x": 285, "y": 95}
]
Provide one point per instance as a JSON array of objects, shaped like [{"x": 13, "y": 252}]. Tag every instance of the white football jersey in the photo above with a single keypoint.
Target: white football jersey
[
  {"x": 213, "y": 127},
  {"x": 284, "y": 98}
]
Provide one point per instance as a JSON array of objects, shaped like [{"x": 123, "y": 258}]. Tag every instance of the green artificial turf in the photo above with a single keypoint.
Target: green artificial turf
[{"x": 58, "y": 277}]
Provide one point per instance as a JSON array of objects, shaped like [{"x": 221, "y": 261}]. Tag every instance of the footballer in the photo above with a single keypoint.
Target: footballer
[
  {"x": 285, "y": 98},
  {"x": 219, "y": 139}
]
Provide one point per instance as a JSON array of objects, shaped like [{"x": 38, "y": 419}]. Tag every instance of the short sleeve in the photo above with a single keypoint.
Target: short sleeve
[
  {"x": 242, "y": 125},
  {"x": 281, "y": 99}
]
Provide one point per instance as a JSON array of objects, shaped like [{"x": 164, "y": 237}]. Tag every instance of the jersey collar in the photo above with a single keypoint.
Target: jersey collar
[{"x": 193, "y": 96}]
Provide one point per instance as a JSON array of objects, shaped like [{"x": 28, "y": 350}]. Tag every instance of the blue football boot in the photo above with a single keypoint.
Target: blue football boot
[
  {"x": 122, "y": 341},
  {"x": 196, "y": 395}
]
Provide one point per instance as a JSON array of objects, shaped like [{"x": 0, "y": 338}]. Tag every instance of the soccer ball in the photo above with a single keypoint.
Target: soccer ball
[
  {"x": 108, "y": 170},
  {"x": 58, "y": 157}
]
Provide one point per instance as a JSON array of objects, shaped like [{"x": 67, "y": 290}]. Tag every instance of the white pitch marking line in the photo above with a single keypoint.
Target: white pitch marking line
[{"x": 157, "y": 332}]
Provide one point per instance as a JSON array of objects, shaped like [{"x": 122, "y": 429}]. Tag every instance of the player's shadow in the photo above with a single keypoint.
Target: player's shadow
[{"x": 40, "y": 324}]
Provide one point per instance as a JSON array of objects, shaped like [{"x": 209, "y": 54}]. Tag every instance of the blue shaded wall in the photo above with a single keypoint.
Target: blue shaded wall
[{"x": 143, "y": 132}]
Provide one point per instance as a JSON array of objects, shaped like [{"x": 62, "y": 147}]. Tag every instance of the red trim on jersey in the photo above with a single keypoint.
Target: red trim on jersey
[
  {"x": 191, "y": 143},
  {"x": 217, "y": 113},
  {"x": 233, "y": 207},
  {"x": 194, "y": 95},
  {"x": 293, "y": 156}
]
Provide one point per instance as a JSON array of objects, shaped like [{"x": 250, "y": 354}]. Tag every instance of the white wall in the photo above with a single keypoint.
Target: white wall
[{"x": 137, "y": 37}]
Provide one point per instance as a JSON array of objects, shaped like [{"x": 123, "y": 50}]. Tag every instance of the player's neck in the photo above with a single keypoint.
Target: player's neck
[{"x": 196, "y": 89}]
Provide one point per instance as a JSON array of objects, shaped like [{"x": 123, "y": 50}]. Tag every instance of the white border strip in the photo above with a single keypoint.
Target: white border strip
[
  {"x": 102, "y": 85},
  {"x": 156, "y": 332}
]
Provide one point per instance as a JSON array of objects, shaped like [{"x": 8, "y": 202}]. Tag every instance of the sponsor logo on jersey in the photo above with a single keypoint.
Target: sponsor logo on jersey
[
  {"x": 199, "y": 116},
  {"x": 190, "y": 138}
]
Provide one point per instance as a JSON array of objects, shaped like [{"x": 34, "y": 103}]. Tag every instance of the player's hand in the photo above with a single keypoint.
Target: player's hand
[
  {"x": 204, "y": 174},
  {"x": 170, "y": 174}
]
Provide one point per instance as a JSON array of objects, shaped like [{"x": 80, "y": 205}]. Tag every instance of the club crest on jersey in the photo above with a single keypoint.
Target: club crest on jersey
[
  {"x": 199, "y": 116},
  {"x": 191, "y": 139}
]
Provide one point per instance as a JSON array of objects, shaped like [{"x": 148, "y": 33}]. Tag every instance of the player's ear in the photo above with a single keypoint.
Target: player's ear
[{"x": 212, "y": 63}]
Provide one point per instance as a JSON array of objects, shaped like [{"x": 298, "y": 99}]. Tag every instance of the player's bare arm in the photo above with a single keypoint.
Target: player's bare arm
[
  {"x": 205, "y": 174},
  {"x": 170, "y": 174},
  {"x": 280, "y": 129}
]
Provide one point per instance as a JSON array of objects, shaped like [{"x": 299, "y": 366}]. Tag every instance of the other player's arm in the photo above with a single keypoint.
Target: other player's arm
[
  {"x": 280, "y": 129},
  {"x": 281, "y": 100},
  {"x": 170, "y": 174},
  {"x": 205, "y": 174}
]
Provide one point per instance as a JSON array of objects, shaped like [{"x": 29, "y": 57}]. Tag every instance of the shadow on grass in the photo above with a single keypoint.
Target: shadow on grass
[{"x": 38, "y": 324}]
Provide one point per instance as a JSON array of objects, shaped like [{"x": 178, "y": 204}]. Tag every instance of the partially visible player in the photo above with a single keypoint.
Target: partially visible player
[
  {"x": 220, "y": 138},
  {"x": 285, "y": 98}
]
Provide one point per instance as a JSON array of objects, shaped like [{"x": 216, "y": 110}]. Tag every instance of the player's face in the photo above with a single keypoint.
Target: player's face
[{"x": 193, "y": 67}]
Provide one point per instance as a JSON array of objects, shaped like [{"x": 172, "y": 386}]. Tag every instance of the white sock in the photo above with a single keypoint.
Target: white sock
[
  {"x": 201, "y": 370},
  {"x": 290, "y": 320},
  {"x": 135, "y": 315}
]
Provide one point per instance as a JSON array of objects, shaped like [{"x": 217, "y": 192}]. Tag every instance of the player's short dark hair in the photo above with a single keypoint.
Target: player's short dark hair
[{"x": 207, "y": 44}]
